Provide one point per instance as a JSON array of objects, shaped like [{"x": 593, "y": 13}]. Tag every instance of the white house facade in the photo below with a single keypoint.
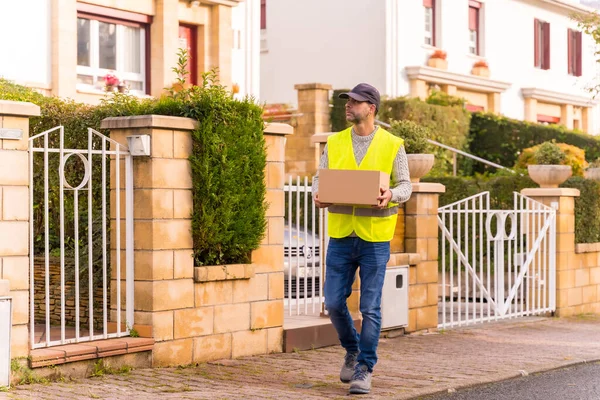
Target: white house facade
[{"x": 539, "y": 65}]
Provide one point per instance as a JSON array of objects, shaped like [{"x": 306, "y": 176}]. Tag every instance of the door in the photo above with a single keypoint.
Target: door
[{"x": 187, "y": 40}]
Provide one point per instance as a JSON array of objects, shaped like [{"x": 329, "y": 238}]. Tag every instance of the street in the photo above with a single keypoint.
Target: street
[{"x": 581, "y": 382}]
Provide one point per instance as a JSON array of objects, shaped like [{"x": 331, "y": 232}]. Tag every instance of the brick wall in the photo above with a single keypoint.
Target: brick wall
[{"x": 197, "y": 314}]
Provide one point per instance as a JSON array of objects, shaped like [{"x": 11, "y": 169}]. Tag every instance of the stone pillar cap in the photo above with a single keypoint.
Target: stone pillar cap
[
  {"x": 308, "y": 86},
  {"x": 552, "y": 192},
  {"x": 278, "y": 128},
  {"x": 320, "y": 137},
  {"x": 26, "y": 109},
  {"x": 428, "y": 187}
]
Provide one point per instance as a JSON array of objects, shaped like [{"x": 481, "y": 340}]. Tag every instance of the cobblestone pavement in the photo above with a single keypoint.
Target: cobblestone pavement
[{"x": 409, "y": 367}]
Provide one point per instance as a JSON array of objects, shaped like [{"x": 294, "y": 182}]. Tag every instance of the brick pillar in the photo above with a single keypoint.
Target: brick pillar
[
  {"x": 164, "y": 267},
  {"x": 14, "y": 218},
  {"x": 421, "y": 237},
  {"x": 313, "y": 105},
  {"x": 268, "y": 258},
  {"x": 569, "y": 282}
]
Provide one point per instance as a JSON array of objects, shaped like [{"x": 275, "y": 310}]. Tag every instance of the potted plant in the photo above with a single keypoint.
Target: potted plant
[
  {"x": 481, "y": 68},
  {"x": 416, "y": 146},
  {"x": 593, "y": 170},
  {"x": 547, "y": 170},
  {"x": 438, "y": 59},
  {"x": 110, "y": 82}
]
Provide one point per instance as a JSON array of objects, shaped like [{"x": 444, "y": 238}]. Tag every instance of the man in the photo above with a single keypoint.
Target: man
[{"x": 361, "y": 237}]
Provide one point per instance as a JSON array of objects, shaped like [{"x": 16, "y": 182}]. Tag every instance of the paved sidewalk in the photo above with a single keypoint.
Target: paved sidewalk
[{"x": 409, "y": 366}]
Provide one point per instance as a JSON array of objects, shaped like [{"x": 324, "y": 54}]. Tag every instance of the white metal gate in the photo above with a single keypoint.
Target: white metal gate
[
  {"x": 496, "y": 264},
  {"x": 305, "y": 247},
  {"x": 60, "y": 310}
]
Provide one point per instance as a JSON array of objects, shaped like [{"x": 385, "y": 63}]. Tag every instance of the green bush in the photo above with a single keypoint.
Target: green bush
[
  {"x": 549, "y": 153},
  {"x": 447, "y": 124},
  {"x": 500, "y": 139},
  {"x": 338, "y": 111},
  {"x": 415, "y": 136},
  {"x": 228, "y": 164}
]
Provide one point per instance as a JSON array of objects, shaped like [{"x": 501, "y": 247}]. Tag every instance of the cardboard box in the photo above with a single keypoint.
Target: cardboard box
[{"x": 351, "y": 187}]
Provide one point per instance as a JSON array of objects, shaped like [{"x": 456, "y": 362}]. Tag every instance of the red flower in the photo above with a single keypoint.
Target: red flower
[{"x": 111, "y": 80}]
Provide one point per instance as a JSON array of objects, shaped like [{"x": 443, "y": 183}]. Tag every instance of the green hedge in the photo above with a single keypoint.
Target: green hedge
[
  {"x": 338, "y": 111},
  {"x": 448, "y": 125},
  {"x": 501, "y": 188},
  {"x": 228, "y": 163},
  {"x": 500, "y": 139}
]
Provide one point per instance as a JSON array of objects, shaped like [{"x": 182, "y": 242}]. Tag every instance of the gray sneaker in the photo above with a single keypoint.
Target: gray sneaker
[
  {"x": 348, "y": 368},
  {"x": 361, "y": 380}
]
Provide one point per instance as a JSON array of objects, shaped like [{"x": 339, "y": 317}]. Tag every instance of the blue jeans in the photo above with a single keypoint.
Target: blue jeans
[{"x": 344, "y": 256}]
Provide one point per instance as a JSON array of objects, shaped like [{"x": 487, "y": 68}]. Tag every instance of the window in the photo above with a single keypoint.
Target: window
[
  {"x": 429, "y": 8},
  {"x": 541, "y": 44},
  {"x": 574, "y": 52},
  {"x": 263, "y": 14},
  {"x": 474, "y": 36},
  {"x": 106, "y": 44}
]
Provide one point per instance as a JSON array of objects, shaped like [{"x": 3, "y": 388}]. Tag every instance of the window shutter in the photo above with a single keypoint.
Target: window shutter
[
  {"x": 428, "y": 3},
  {"x": 570, "y": 52},
  {"x": 475, "y": 4},
  {"x": 536, "y": 44},
  {"x": 263, "y": 14},
  {"x": 473, "y": 18},
  {"x": 546, "y": 42},
  {"x": 578, "y": 54}
]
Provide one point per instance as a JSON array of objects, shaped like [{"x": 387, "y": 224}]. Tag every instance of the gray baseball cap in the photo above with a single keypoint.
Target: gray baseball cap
[{"x": 363, "y": 92}]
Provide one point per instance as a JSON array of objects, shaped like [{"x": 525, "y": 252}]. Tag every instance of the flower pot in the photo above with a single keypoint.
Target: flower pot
[
  {"x": 592, "y": 173},
  {"x": 481, "y": 71},
  {"x": 109, "y": 88},
  {"x": 123, "y": 89},
  {"x": 549, "y": 176},
  {"x": 438, "y": 63},
  {"x": 419, "y": 165}
]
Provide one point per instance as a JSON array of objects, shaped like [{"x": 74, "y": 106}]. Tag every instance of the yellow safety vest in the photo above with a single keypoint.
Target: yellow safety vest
[{"x": 370, "y": 224}]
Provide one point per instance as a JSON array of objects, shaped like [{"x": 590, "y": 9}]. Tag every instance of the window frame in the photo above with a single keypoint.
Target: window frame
[
  {"x": 96, "y": 14},
  {"x": 430, "y": 4},
  {"x": 475, "y": 8},
  {"x": 263, "y": 14}
]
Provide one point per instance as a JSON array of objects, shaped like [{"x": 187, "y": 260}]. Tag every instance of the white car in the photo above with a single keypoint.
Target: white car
[{"x": 301, "y": 261}]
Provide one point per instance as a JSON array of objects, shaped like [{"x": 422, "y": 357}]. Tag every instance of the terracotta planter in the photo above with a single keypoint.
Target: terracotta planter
[
  {"x": 437, "y": 63},
  {"x": 419, "y": 165},
  {"x": 481, "y": 71},
  {"x": 592, "y": 173},
  {"x": 549, "y": 176}
]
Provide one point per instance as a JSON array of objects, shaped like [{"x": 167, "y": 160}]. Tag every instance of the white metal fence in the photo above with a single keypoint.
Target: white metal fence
[
  {"x": 57, "y": 210},
  {"x": 305, "y": 246},
  {"x": 496, "y": 264}
]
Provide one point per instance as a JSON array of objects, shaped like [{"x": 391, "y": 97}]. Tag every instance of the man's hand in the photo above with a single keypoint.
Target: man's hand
[
  {"x": 319, "y": 204},
  {"x": 384, "y": 199}
]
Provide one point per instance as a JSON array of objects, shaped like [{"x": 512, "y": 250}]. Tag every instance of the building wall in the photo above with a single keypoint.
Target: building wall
[
  {"x": 508, "y": 49},
  {"x": 26, "y": 60},
  {"x": 45, "y": 54},
  {"x": 334, "y": 41},
  {"x": 245, "y": 21}
]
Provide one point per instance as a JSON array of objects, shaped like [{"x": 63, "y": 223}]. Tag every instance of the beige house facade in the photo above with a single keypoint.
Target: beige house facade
[{"x": 75, "y": 49}]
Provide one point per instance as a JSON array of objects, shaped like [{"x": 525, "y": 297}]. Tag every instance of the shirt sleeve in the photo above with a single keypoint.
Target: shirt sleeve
[
  {"x": 323, "y": 163},
  {"x": 401, "y": 187}
]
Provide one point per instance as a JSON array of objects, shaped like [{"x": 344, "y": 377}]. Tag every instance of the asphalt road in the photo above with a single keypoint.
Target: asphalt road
[{"x": 581, "y": 382}]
